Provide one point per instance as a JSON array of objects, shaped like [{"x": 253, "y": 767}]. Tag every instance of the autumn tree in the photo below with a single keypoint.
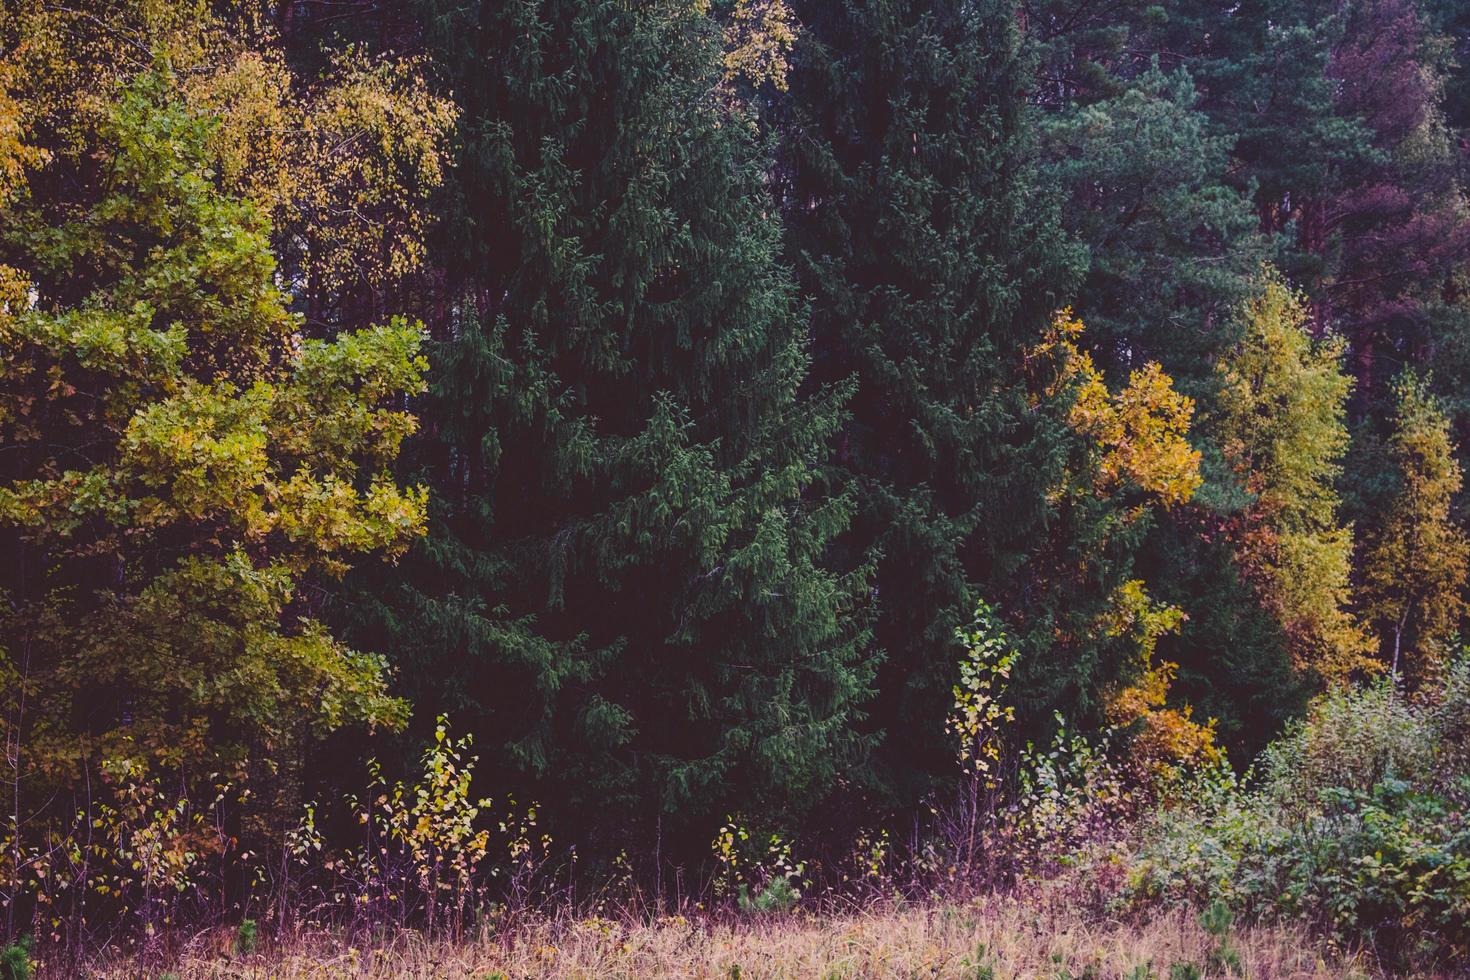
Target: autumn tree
[
  {"x": 342, "y": 162},
  {"x": 1417, "y": 560},
  {"x": 1281, "y": 425},
  {"x": 180, "y": 463},
  {"x": 189, "y": 462},
  {"x": 1132, "y": 461}
]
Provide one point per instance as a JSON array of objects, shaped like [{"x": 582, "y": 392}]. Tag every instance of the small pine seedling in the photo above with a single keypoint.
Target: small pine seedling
[
  {"x": 981, "y": 966},
  {"x": 245, "y": 938},
  {"x": 15, "y": 959}
]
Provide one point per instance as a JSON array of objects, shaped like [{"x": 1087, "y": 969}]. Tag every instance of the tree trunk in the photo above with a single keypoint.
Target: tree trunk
[{"x": 1398, "y": 635}]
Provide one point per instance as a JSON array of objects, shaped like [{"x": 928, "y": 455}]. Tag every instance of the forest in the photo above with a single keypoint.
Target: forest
[{"x": 734, "y": 488}]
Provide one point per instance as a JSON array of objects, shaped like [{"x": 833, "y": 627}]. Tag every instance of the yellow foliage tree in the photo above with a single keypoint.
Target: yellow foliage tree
[
  {"x": 1138, "y": 439},
  {"x": 342, "y": 165},
  {"x": 189, "y": 461},
  {"x": 1140, "y": 434},
  {"x": 1416, "y": 566},
  {"x": 758, "y": 37},
  {"x": 1281, "y": 425},
  {"x": 1166, "y": 737}
]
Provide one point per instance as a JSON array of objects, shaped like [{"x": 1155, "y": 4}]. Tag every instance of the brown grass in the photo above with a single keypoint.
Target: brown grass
[{"x": 1020, "y": 939}]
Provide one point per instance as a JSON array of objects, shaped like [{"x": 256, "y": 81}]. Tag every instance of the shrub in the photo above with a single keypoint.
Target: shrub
[
  {"x": 779, "y": 895},
  {"x": 1449, "y": 714},
  {"x": 761, "y": 860},
  {"x": 1355, "y": 822},
  {"x": 1351, "y": 740}
]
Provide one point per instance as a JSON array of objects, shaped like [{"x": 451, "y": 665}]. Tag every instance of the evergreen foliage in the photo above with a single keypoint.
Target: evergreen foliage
[
  {"x": 933, "y": 264},
  {"x": 623, "y": 592},
  {"x": 1173, "y": 246}
]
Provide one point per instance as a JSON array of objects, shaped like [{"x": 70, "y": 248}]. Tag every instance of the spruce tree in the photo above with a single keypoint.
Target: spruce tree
[
  {"x": 621, "y": 594},
  {"x": 933, "y": 264}
]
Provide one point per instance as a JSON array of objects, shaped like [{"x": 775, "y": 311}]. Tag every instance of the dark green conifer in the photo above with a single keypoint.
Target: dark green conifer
[
  {"x": 622, "y": 593},
  {"x": 933, "y": 263}
]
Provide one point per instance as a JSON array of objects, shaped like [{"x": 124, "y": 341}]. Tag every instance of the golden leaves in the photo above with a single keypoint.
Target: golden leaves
[
  {"x": 1281, "y": 425},
  {"x": 1139, "y": 435},
  {"x": 194, "y": 455},
  {"x": 1417, "y": 564},
  {"x": 343, "y": 167},
  {"x": 759, "y": 36},
  {"x": 1165, "y": 736}
]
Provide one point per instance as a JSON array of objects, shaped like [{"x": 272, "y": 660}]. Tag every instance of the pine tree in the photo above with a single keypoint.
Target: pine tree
[
  {"x": 1394, "y": 224},
  {"x": 1173, "y": 246},
  {"x": 622, "y": 594},
  {"x": 934, "y": 264}
]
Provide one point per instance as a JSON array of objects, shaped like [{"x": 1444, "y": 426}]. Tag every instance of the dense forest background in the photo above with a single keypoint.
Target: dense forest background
[{"x": 707, "y": 407}]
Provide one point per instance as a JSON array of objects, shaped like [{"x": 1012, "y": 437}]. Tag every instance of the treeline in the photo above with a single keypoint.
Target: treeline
[{"x": 655, "y": 389}]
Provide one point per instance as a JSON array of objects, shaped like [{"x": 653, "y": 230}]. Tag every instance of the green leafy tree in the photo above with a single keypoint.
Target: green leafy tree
[
  {"x": 622, "y": 593},
  {"x": 1417, "y": 560},
  {"x": 181, "y": 466}
]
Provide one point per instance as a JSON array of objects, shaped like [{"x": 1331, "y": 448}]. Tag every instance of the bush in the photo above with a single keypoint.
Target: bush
[
  {"x": 245, "y": 937},
  {"x": 779, "y": 895},
  {"x": 1355, "y": 822},
  {"x": 1352, "y": 740}
]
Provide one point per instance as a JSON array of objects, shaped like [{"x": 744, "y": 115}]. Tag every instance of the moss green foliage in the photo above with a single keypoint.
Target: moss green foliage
[
  {"x": 778, "y": 895},
  {"x": 180, "y": 462},
  {"x": 246, "y": 936},
  {"x": 15, "y": 959}
]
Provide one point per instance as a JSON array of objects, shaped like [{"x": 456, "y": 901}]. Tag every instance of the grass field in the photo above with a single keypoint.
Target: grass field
[{"x": 986, "y": 939}]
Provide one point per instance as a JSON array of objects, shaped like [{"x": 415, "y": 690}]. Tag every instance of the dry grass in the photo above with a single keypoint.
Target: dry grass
[{"x": 1019, "y": 939}]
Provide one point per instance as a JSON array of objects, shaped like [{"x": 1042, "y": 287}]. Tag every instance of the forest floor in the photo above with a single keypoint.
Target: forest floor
[{"x": 985, "y": 939}]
